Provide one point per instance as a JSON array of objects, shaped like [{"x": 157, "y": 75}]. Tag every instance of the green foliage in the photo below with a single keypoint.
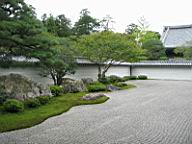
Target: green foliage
[
  {"x": 20, "y": 30},
  {"x": 32, "y": 102},
  {"x": 132, "y": 77},
  {"x": 120, "y": 84},
  {"x": 43, "y": 99},
  {"x": 86, "y": 24},
  {"x": 56, "y": 90},
  {"x": 104, "y": 80},
  {"x": 150, "y": 35},
  {"x": 186, "y": 52},
  {"x": 60, "y": 61},
  {"x": 59, "y": 26},
  {"x": 114, "y": 79},
  {"x": 96, "y": 87},
  {"x": 105, "y": 48},
  {"x": 132, "y": 29},
  {"x": 140, "y": 33},
  {"x": 126, "y": 78},
  {"x": 142, "y": 77},
  {"x": 154, "y": 49},
  {"x": 13, "y": 106},
  {"x": 56, "y": 106}
]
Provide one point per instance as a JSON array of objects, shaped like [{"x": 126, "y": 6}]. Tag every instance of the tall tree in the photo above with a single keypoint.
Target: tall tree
[
  {"x": 149, "y": 35},
  {"x": 184, "y": 51},
  {"x": 106, "y": 48},
  {"x": 50, "y": 24},
  {"x": 107, "y": 23},
  {"x": 86, "y": 24},
  {"x": 154, "y": 49},
  {"x": 133, "y": 32},
  {"x": 59, "y": 26},
  {"x": 132, "y": 28},
  {"x": 20, "y": 31},
  {"x": 59, "y": 61},
  {"x": 64, "y": 26}
]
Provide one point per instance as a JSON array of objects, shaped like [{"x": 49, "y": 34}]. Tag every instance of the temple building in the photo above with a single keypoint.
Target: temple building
[{"x": 176, "y": 37}]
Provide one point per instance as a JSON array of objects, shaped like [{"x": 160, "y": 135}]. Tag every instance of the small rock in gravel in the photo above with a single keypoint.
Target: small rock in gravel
[
  {"x": 112, "y": 88},
  {"x": 93, "y": 96}
]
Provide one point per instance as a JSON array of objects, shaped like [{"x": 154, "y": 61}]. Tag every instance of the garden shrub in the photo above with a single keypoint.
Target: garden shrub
[
  {"x": 142, "y": 77},
  {"x": 114, "y": 79},
  {"x": 32, "y": 102},
  {"x": 132, "y": 77},
  {"x": 126, "y": 78},
  {"x": 104, "y": 80},
  {"x": 43, "y": 99},
  {"x": 13, "y": 106},
  {"x": 96, "y": 87},
  {"x": 56, "y": 90}
]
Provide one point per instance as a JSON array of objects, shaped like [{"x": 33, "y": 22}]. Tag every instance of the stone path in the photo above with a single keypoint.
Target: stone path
[{"x": 156, "y": 112}]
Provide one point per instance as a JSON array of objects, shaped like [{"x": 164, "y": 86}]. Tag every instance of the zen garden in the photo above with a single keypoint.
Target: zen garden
[{"x": 49, "y": 67}]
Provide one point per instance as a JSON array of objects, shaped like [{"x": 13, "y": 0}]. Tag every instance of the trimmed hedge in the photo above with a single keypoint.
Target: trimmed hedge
[
  {"x": 32, "y": 102},
  {"x": 56, "y": 90},
  {"x": 132, "y": 77},
  {"x": 114, "y": 79},
  {"x": 96, "y": 87},
  {"x": 126, "y": 78},
  {"x": 13, "y": 106},
  {"x": 142, "y": 77}
]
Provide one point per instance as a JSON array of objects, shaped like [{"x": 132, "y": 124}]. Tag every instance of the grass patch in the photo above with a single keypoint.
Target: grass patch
[
  {"x": 31, "y": 117},
  {"x": 96, "y": 87},
  {"x": 129, "y": 86}
]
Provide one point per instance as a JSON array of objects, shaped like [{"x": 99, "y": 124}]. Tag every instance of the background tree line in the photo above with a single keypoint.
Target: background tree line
[{"x": 57, "y": 43}]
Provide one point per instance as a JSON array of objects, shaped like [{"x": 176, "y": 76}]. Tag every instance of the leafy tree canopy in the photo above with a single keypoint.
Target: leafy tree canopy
[
  {"x": 86, "y": 24},
  {"x": 59, "y": 26},
  {"x": 185, "y": 52},
  {"x": 140, "y": 33},
  {"x": 107, "y": 23},
  {"x": 59, "y": 61},
  {"x": 20, "y": 31},
  {"x": 154, "y": 49},
  {"x": 105, "y": 48}
]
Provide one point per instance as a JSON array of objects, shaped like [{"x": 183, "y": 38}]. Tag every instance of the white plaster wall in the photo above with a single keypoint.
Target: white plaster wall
[
  {"x": 91, "y": 71},
  {"x": 83, "y": 71},
  {"x": 164, "y": 72}
]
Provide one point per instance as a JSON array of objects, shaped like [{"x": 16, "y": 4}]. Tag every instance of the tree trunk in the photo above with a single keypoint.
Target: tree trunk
[
  {"x": 59, "y": 81},
  {"x": 54, "y": 79},
  {"x": 59, "y": 78},
  {"x": 99, "y": 72},
  {"x": 106, "y": 69},
  {"x": 131, "y": 68}
]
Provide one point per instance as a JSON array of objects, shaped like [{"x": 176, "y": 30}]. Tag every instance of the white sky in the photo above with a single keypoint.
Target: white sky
[{"x": 158, "y": 13}]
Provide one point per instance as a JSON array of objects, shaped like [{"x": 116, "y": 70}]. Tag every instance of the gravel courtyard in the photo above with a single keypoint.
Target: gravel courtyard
[{"x": 156, "y": 112}]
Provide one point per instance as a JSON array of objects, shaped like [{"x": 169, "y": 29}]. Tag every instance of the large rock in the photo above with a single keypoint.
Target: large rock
[
  {"x": 93, "y": 96},
  {"x": 87, "y": 81},
  {"x": 72, "y": 86},
  {"x": 19, "y": 87}
]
